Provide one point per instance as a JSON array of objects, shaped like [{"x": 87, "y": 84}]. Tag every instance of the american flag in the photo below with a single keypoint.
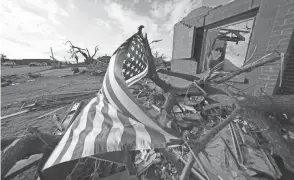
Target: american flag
[{"x": 115, "y": 120}]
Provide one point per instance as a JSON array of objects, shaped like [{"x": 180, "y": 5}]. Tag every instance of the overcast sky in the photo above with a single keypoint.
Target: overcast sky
[{"x": 28, "y": 28}]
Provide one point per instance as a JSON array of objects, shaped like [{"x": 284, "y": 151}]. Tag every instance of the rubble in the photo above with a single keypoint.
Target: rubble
[{"x": 221, "y": 130}]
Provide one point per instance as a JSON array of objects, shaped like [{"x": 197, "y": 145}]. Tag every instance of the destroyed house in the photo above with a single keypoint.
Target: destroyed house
[{"x": 238, "y": 33}]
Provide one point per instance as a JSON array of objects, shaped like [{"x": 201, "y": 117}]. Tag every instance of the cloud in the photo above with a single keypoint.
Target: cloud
[
  {"x": 31, "y": 27},
  {"x": 50, "y": 7},
  {"x": 17, "y": 41},
  {"x": 25, "y": 33},
  {"x": 101, "y": 22},
  {"x": 128, "y": 20},
  {"x": 173, "y": 11}
]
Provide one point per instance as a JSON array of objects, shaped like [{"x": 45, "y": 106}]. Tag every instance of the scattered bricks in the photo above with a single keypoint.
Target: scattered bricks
[
  {"x": 287, "y": 31},
  {"x": 290, "y": 21}
]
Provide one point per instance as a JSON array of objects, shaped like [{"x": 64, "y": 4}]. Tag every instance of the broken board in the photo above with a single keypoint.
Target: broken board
[{"x": 69, "y": 118}]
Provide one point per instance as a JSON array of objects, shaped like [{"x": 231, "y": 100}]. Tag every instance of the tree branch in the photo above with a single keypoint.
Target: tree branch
[
  {"x": 96, "y": 50},
  {"x": 187, "y": 77},
  {"x": 201, "y": 144},
  {"x": 247, "y": 68}
]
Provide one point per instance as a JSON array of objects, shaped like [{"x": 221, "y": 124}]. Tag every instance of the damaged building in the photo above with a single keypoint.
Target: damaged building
[{"x": 238, "y": 33}]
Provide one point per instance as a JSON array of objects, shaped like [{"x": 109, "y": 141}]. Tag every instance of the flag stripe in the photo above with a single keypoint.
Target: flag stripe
[
  {"x": 128, "y": 139},
  {"x": 108, "y": 92},
  {"x": 76, "y": 132},
  {"x": 115, "y": 99},
  {"x": 89, "y": 126},
  {"x": 58, "y": 151},
  {"x": 70, "y": 138},
  {"x": 143, "y": 139},
  {"x": 114, "y": 137},
  {"x": 101, "y": 139},
  {"x": 97, "y": 126}
]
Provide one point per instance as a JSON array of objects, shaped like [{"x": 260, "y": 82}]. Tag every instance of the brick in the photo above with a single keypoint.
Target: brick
[
  {"x": 286, "y": 26},
  {"x": 265, "y": 68},
  {"x": 272, "y": 47},
  {"x": 288, "y": 84},
  {"x": 264, "y": 76},
  {"x": 275, "y": 40},
  {"x": 287, "y": 31},
  {"x": 289, "y": 21},
  {"x": 271, "y": 71},
  {"x": 270, "y": 85},
  {"x": 284, "y": 41},
  {"x": 276, "y": 28},
  {"x": 279, "y": 22},
  {"x": 279, "y": 47},
  {"x": 276, "y": 33},
  {"x": 273, "y": 77},
  {"x": 291, "y": 11},
  {"x": 283, "y": 16}
]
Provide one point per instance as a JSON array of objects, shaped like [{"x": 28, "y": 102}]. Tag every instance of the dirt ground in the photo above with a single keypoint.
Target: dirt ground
[
  {"x": 20, "y": 70},
  {"x": 52, "y": 81}
]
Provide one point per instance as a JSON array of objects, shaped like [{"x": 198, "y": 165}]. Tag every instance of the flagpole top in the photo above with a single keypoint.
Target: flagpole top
[{"x": 140, "y": 29}]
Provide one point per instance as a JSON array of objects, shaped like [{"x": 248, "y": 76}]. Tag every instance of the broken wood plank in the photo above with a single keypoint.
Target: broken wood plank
[
  {"x": 69, "y": 117},
  {"x": 15, "y": 114}
]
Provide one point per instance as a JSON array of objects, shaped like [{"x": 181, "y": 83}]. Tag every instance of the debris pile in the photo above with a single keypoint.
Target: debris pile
[{"x": 224, "y": 134}]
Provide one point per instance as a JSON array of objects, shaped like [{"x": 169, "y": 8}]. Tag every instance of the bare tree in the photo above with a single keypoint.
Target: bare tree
[{"x": 83, "y": 51}]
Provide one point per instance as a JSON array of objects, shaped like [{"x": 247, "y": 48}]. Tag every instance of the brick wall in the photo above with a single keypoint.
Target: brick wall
[
  {"x": 280, "y": 38},
  {"x": 288, "y": 75},
  {"x": 273, "y": 28}
]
